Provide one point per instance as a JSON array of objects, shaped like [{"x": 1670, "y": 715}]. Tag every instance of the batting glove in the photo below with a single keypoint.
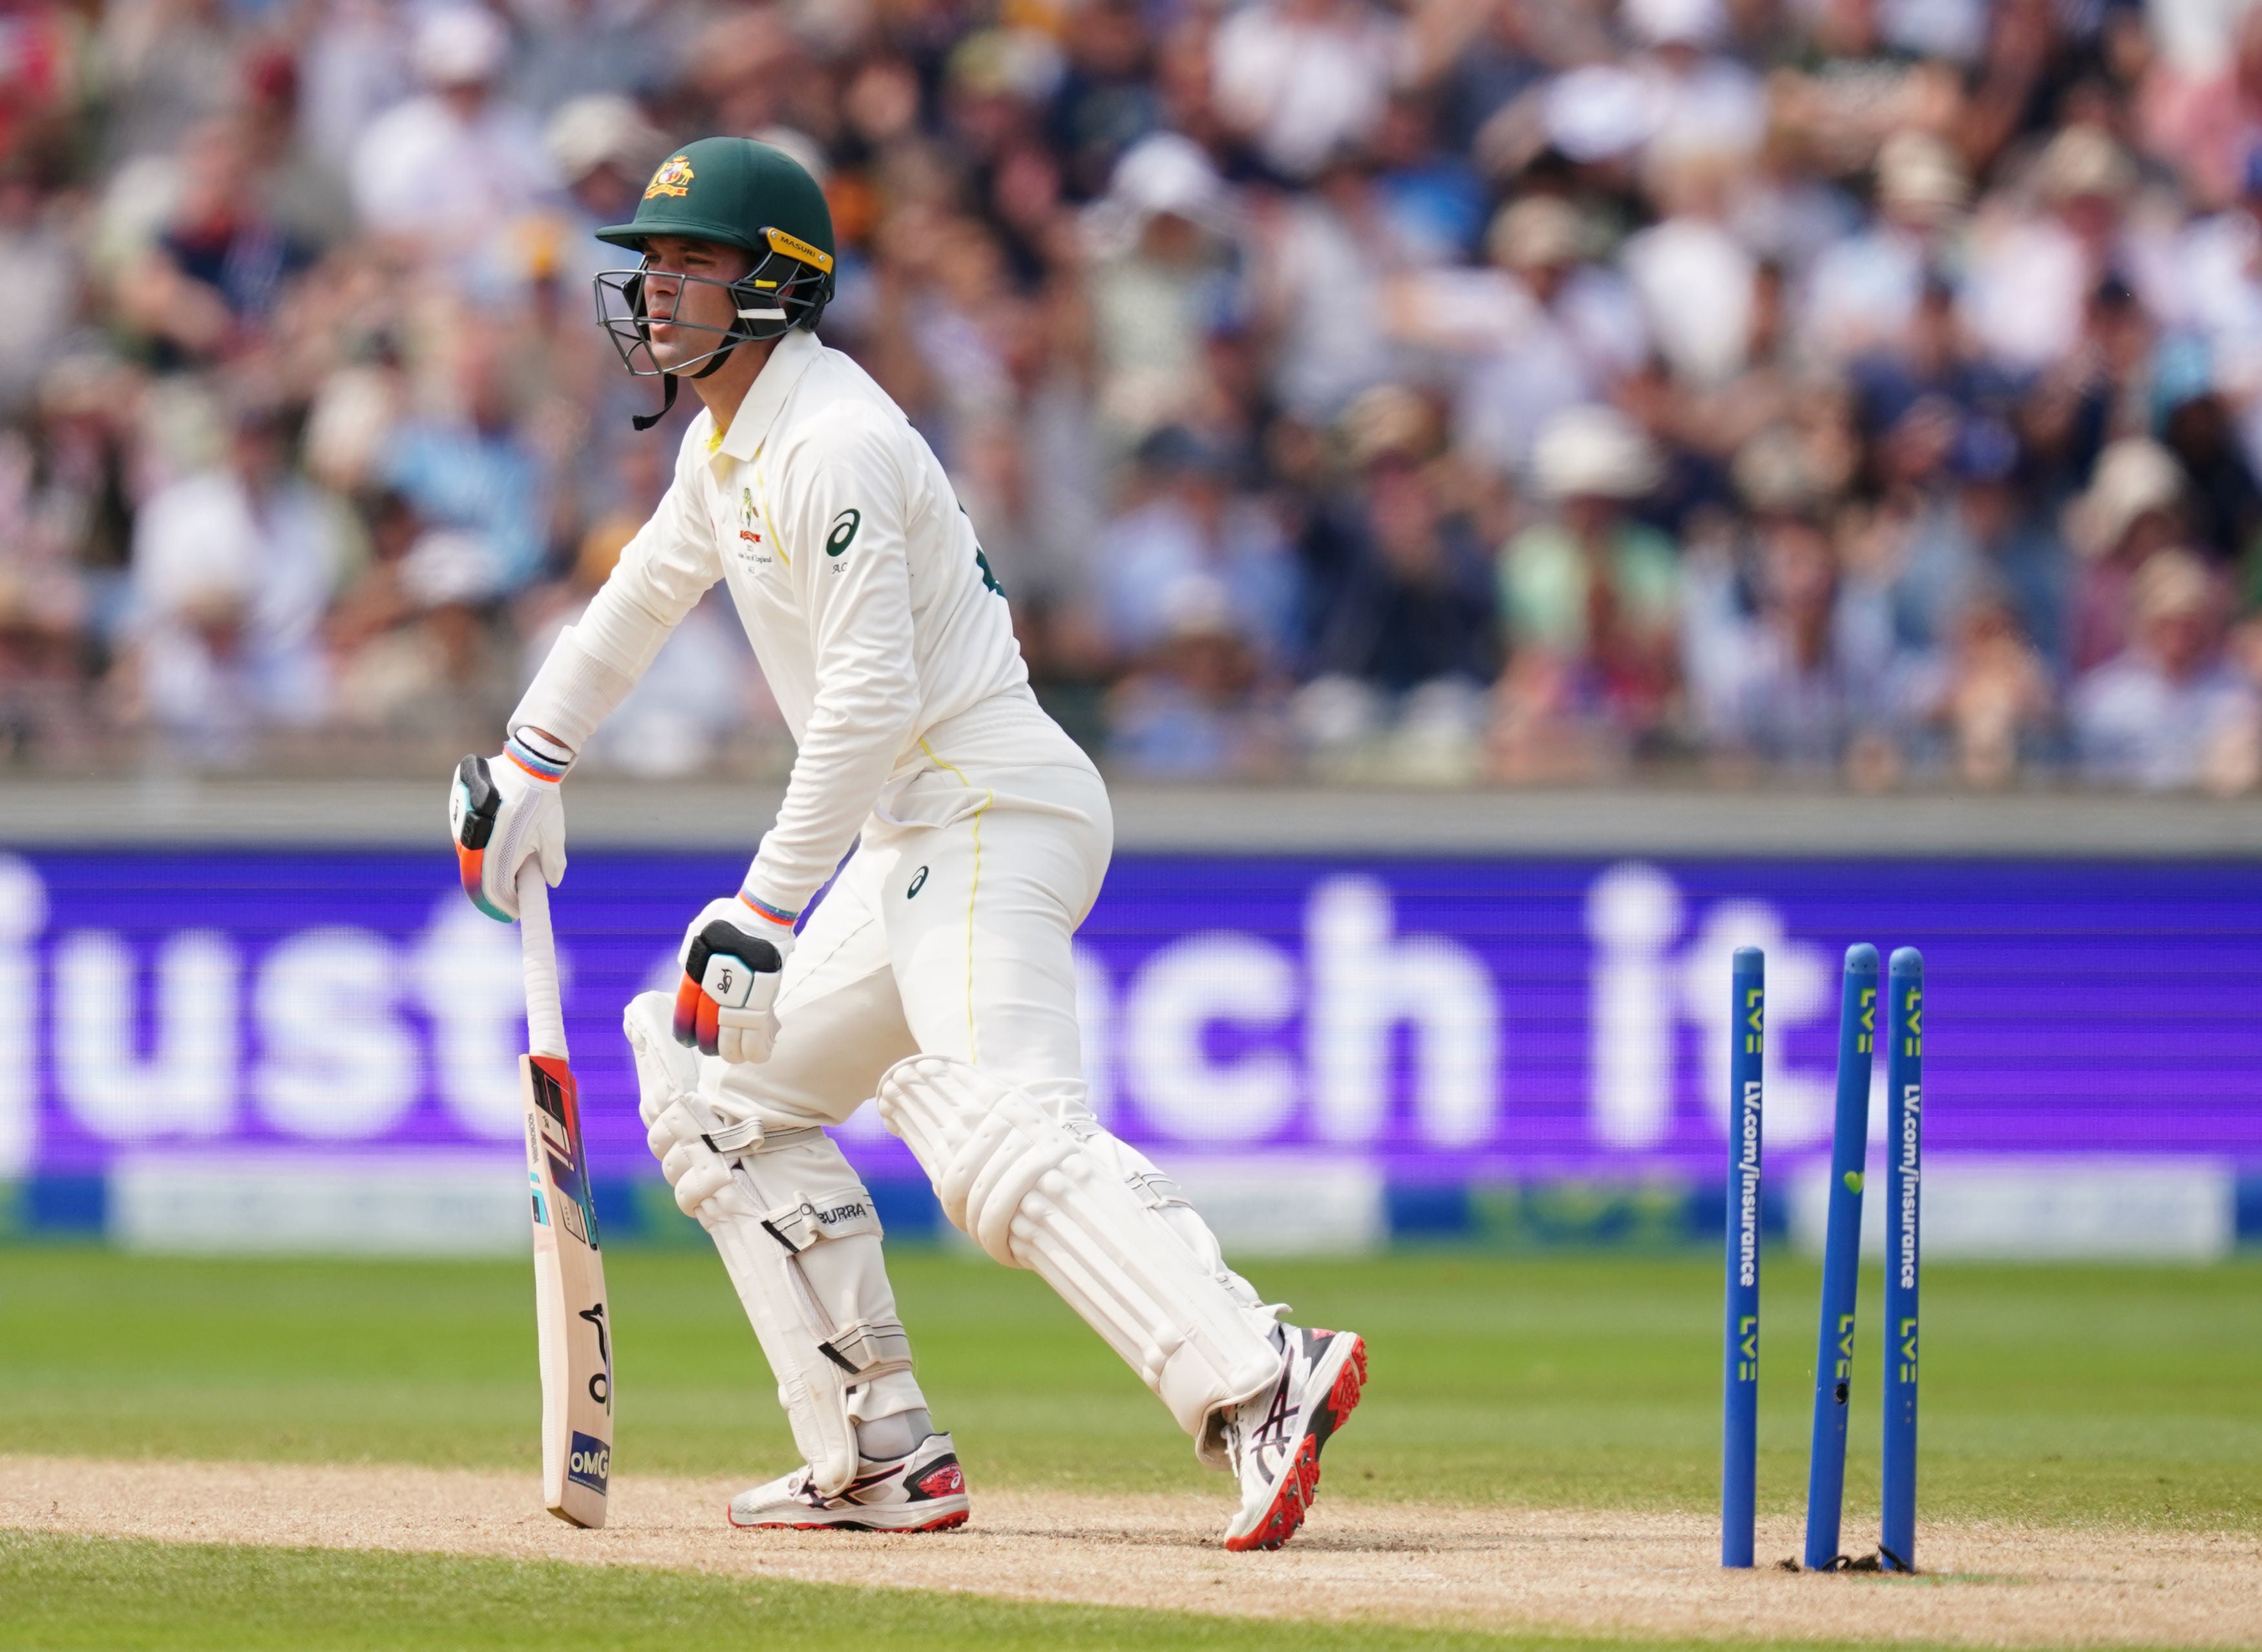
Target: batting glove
[
  {"x": 503, "y": 812},
  {"x": 733, "y": 959}
]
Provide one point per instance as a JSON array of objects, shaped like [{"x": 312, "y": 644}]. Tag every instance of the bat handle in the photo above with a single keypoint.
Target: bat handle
[{"x": 545, "y": 1015}]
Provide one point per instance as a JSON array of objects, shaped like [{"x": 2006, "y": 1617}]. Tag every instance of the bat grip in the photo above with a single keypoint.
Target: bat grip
[{"x": 545, "y": 1015}]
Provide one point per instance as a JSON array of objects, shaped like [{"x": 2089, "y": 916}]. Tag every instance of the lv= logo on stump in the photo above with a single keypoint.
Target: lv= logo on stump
[{"x": 1863, "y": 1019}]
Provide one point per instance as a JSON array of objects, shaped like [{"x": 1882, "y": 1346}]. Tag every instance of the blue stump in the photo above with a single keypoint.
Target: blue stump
[
  {"x": 1842, "y": 1256},
  {"x": 1904, "y": 1154},
  {"x": 1739, "y": 1395}
]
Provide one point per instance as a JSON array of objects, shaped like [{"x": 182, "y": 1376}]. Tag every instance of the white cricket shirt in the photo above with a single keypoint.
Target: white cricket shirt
[{"x": 870, "y": 606}]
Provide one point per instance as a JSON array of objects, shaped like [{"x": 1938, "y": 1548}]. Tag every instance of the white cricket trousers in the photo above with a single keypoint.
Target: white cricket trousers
[{"x": 949, "y": 932}]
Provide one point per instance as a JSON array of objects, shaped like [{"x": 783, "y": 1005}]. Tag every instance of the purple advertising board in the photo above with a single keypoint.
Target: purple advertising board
[{"x": 1444, "y": 1021}]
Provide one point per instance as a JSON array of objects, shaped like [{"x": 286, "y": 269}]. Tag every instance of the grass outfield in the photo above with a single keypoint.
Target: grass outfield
[{"x": 2122, "y": 1395}]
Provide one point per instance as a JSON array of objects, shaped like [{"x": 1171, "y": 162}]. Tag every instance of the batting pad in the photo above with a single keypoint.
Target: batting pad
[
  {"x": 1038, "y": 1192},
  {"x": 825, "y": 1315},
  {"x": 799, "y": 1239}
]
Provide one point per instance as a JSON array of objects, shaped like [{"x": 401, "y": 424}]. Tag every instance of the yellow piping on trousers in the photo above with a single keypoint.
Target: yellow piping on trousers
[{"x": 973, "y": 1040}]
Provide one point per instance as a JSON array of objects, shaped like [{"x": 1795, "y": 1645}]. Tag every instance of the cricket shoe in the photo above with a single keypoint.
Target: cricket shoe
[
  {"x": 922, "y": 1491},
  {"x": 1274, "y": 1440}
]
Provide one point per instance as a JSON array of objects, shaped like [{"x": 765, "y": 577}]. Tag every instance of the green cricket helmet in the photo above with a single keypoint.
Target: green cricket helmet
[{"x": 739, "y": 193}]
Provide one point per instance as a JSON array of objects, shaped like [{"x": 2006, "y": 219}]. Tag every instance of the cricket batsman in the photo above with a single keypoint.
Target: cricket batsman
[{"x": 936, "y": 975}]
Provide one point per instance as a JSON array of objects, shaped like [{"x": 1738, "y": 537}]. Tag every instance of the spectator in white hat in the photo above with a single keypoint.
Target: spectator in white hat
[
  {"x": 1547, "y": 327},
  {"x": 1325, "y": 262},
  {"x": 232, "y": 568},
  {"x": 454, "y": 164},
  {"x": 1864, "y": 291},
  {"x": 603, "y": 150},
  {"x": 1163, "y": 273},
  {"x": 1706, "y": 102},
  {"x": 1696, "y": 280},
  {"x": 1593, "y": 589},
  {"x": 2132, "y": 508},
  {"x": 1300, "y": 79},
  {"x": 2170, "y": 713},
  {"x": 2031, "y": 271}
]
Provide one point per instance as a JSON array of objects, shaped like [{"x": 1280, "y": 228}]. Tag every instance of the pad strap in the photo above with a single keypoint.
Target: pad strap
[
  {"x": 750, "y": 1136},
  {"x": 833, "y": 1216},
  {"x": 730, "y": 1140},
  {"x": 1155, "y": 1190},
  {"x": 869, "y": 1348}
]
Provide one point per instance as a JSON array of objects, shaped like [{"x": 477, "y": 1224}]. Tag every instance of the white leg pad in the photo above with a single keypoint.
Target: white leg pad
[
  {"x": 1083, "y": 1211},
  {"x": 825, "y": 1318},
  {"x": 799, "y": 1239}
]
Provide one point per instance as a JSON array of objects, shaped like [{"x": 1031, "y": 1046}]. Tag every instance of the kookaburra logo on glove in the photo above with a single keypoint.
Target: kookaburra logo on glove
[{"x": 723, "y": 1004}]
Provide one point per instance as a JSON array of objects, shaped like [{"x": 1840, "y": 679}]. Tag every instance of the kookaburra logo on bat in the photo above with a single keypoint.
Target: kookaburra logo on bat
[{"x": 601, "y": 1383}]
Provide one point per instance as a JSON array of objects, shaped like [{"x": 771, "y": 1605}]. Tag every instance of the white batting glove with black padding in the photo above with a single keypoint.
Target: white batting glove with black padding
[
  {"x": 734, "y": 961},
  {"x": 504, "y": 811}
]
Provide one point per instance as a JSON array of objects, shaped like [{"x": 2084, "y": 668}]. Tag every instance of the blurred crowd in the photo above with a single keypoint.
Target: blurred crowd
[{"x": 1439, "y": 391}]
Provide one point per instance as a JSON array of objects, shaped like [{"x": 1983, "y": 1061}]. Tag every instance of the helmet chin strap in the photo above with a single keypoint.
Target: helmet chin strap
[{"x": 645, "y": 421}]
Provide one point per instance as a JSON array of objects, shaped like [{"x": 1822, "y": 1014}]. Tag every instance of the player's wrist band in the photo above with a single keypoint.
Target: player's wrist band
[
  {"x": 776, "y": 915},
  {"x": 535, "y": 752}
]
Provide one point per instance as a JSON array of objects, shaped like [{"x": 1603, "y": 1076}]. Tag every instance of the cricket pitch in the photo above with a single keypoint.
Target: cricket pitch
[{"x": 1577, "y": 1571}]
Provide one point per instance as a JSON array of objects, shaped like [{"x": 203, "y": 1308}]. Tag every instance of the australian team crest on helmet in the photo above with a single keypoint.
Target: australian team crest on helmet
[{"x": 672, "y": 178}]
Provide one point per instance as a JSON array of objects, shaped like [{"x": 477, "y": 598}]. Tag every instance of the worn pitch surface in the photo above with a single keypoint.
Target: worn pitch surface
[{"x": 1640, "y": 1574}]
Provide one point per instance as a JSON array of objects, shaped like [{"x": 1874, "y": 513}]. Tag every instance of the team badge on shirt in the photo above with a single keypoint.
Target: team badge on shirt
[
  {"x": 672, "y": 178},
  {"x": 749, "y": 533}
]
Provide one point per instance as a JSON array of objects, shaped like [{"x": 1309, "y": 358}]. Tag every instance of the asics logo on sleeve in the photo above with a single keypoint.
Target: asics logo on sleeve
[{"x": 843, "y": 531}]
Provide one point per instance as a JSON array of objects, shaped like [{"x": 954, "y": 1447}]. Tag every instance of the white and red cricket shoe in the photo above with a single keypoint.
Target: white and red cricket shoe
[
  {"x": 922, "y": 1491},
  {"x": 1274, "y": 1439}
]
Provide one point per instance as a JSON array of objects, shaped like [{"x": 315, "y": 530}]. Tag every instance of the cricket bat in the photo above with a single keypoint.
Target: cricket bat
[
  {"x": 573, "y": 1341},
  {"x": 572, "y": 1331}
]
